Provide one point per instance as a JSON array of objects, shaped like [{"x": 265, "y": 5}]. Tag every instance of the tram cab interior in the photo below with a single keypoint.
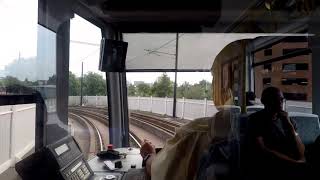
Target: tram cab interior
[{"x": 243, "y": 46}]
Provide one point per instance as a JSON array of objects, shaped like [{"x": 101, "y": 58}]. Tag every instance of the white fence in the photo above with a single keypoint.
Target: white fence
[
  {"x": 17, "y": 133},
  {"x": 186, "y": 108},
  {"x": 89, "y": 100}
]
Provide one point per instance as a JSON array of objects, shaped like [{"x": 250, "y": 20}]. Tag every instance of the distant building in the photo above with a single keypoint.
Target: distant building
[
  {"x": 20, "y": 69},
  {"x": 286, "y": 65}
]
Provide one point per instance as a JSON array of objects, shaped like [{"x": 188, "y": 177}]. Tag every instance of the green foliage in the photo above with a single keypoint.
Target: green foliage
[
  {"x": 131, "y": 89},
  {"x": 143, "y": 89},
  {"x": 94, "y": 85},
  {"x": 183, "y": 90},
  {"x": 10, "y": 81},
  {"x": 12, "y": 85},
  {"x": 52, "y": 80},
  {"x": 200, "y": 90},
  {"x": 162, "y": 87},
  {"x": 74, "y": 85}
]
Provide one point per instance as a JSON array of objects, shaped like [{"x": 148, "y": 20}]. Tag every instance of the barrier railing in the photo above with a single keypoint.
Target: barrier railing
[
  {"x": 186, "y": 108},
  {"x": 17, "y": 133}
]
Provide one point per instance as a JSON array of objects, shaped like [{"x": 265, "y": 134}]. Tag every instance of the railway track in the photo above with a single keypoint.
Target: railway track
[
  {"x": 162, "y": 128},
  {"x": 96, "y": 140},
  {"x": 102, "y": 118}
]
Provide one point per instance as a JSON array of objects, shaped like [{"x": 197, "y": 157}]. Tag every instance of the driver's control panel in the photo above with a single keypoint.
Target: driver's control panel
[{"x": 70, "y": 159}]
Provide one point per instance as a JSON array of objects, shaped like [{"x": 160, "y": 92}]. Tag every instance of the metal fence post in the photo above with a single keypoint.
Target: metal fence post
[
  {"x": 96, "y": 100},
  {"x": 205, "y": 107},
  {"x": 165, "y": 105},
  {"x": 138, "y": 103},
  {"x": 183, "y": 107},
  {"x": 12, "y": 135}
]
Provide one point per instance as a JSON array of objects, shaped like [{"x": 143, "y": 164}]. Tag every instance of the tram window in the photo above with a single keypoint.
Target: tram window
[
  {"x": 87, "y": 87},
  {"x": 266, "y": 81},
  {"x": 288, "y": 67},
  {"x": 267, "y": 67},
  {"x": 288, "y": 51},
  {"x": 295, "y": 96},
  {"x": 268, "y": 52},
  {"x": 278, "y": 61},
  {"x": 194, "y": 93},
  {"x": 146, "y": 49},
  {"x": 291, "y": 74},
  {"x": 150, "y": 94},
  {"x": 292, "y": 81},
  {"x": 20, "y": 76}
]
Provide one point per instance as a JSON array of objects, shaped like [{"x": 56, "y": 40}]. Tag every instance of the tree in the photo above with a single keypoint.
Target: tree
[
  {"x": 206, "y": 87},
  {"x": 94, "y": 85},
  {"x": 131, "y": 90},
  {"x": 183, "y": 90},
  {"x": 14, "y": 86},
  {"x": 143, "y": 90},
  {"x": 200, "y": 90},
  {"x": 74, "y": 85},
  {"x": 163, "y": 86},
  {"x": 10, "y": 80},
  {"x": 52, "y": 80}
]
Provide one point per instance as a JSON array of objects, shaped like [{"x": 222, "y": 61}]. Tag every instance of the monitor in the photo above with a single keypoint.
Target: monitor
[{"x": 112, "y": 55}]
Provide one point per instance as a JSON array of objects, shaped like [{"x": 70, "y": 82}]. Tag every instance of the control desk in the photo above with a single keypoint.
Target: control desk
[
  {"x": 131, "y": 166},
  {"x": 63, "y": 160}
]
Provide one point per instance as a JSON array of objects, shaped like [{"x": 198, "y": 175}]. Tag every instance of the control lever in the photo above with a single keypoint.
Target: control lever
[{"x": 109, "y": 154}]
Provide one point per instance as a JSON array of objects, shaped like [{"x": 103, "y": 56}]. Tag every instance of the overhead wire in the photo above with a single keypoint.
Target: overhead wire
[
  {"x": 84, "y": 43},
  {"x": 156, "y": 49}
]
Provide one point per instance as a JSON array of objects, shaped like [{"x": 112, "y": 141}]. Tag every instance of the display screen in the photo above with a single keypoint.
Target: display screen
[
  {"x": 76, "y": 166},
  {"x": 61, "y": 149}
]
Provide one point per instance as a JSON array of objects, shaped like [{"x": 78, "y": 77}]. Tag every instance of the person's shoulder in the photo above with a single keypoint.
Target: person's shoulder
[
  {"x": 199, "y": 124},
  {"x": 202, "y": 120}
]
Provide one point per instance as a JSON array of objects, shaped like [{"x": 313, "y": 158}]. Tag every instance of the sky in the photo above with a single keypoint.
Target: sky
[
  {"x": 18, "y": 32},
  {"x": 83, "y": 31},
  {"x": 19, "y": 29}
]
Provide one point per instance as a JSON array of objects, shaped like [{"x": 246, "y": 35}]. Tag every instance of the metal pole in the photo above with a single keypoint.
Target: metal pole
[
  {"x": 175, "y": 78},
  {"x": 81, "y": 84}
]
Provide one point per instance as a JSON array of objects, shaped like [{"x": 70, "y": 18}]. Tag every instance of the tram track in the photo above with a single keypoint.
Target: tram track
[
  {"x": 98, "y": 141},
  {"x": 162, "y": 128},
  {"x": 102, "y": 118}
]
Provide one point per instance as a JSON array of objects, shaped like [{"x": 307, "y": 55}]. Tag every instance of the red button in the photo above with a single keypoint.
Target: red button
[{"x": 110, "y": 146}]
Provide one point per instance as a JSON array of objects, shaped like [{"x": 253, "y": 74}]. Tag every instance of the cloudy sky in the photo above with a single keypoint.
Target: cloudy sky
[{"x": 19, "y": 30}]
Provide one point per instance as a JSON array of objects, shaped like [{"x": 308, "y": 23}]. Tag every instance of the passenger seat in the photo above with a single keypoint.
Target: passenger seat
[
  {"x": 254, "y": 108},
  {"x": 308, "y": 126}
]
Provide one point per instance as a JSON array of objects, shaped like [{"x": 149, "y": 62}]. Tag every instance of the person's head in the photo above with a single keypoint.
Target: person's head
[{"x": 272, "y": 99}]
